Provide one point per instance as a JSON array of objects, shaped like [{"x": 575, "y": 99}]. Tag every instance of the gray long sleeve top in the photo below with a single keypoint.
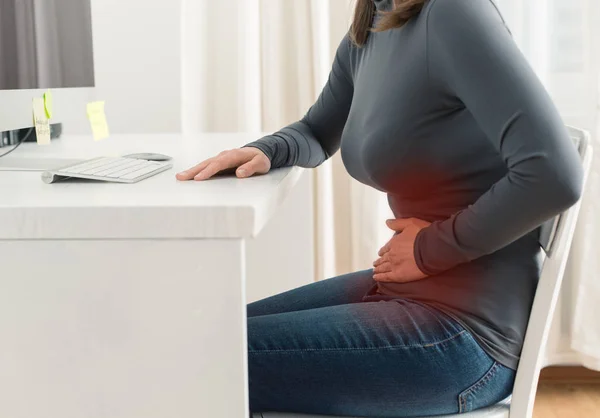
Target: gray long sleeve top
[{"x": 446, "y": 116}]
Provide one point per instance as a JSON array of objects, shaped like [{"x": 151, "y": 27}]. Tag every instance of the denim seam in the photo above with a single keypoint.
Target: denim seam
[
  {"x": 388, "y": 347},
  {"x": 482, "y": 381}
]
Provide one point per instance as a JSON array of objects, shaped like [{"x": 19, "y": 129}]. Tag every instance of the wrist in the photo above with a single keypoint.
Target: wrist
[
  {"x": 418, "y": 253},
  {"x": 436, "y": 248}
]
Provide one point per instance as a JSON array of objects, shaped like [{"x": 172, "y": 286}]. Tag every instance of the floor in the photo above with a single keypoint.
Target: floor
[{"x": 556, "y": 400}]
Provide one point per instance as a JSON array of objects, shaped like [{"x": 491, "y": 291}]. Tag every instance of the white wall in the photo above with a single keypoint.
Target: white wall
[{"x": 137, "y": 58}]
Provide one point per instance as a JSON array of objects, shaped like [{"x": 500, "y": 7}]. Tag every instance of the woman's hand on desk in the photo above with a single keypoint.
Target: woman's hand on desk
[
  {"x": 396, "y": 262},
  {"x": 247, "y": 162}
]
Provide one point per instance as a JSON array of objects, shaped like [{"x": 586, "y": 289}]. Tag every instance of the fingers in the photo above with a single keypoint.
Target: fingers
[
  {"x": 192, "y": 172},
  {"x": 223, "y": 161},
  {"x": 379, "y": 261},
  {"x": 257, "y": 165},
  {"x": 398, "y": 224},
  {"x": 383, "y": 277},
  {"x": 384, "y": 267},
  {"x": 213, "y": 168},
  {"x": 384, "y": 249},
  {"x": 248, "y": 161}
]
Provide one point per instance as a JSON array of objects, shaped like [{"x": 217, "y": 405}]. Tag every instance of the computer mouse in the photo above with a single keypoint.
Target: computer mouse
[{"x": 149, "y": 156}]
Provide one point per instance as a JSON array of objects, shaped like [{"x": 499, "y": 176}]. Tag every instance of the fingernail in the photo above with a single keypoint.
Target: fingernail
[{"x": 242, "y": 173}]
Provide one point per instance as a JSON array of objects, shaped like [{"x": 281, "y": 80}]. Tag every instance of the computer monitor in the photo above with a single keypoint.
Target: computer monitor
[{"x": 44, "y": 44}]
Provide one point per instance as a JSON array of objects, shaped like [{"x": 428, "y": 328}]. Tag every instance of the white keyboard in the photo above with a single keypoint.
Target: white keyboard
[{"x": 113, "y": 169}]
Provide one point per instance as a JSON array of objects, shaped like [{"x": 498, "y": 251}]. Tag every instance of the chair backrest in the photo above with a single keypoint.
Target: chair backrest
[{"x": 556, "y": 237}]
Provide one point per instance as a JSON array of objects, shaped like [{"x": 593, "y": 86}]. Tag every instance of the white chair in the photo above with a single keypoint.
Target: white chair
[{"x": 556, "y": 237}]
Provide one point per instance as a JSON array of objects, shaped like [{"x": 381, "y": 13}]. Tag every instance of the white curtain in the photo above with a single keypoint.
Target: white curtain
[{"x": 257, "y": 65}]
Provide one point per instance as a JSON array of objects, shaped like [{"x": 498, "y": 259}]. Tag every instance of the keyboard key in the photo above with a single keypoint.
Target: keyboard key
[
  {"x": 78, "y": 168},
  {"x": 108, "y": 168},
  {"x": 114, "y": 168},
  {"x": 121, "y": 172},
  {"x": 150, "y": 168}
]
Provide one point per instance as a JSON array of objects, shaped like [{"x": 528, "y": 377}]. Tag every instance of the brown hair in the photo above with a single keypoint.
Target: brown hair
[{"x": 365, "y": 11}]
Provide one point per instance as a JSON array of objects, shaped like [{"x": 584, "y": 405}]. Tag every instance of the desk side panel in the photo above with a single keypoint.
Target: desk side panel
[{"x": 123, "y": 329}]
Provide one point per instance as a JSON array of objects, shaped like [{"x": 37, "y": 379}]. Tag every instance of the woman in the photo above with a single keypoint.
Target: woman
[{"x": 431, "y": 102}]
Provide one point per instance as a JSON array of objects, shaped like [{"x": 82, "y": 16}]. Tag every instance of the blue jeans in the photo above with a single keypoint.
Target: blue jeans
[{"x": 322, "y": 349}]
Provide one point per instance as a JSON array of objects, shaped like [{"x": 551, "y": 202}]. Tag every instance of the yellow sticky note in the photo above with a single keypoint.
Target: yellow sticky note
[
  {"x": 41, "y": 121},
  {"x": 95, "y": 113},
  {"x": 48, "y": 103}
]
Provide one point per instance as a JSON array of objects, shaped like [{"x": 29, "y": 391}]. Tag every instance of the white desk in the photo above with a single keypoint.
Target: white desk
[{"x": 128, "y": 301}]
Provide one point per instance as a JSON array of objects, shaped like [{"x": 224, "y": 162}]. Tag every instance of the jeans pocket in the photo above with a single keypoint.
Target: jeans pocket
[{"x": 495, "y": 385}]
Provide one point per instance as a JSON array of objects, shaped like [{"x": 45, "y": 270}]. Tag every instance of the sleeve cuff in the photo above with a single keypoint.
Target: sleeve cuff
[{"x": 436, "y": 249}]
